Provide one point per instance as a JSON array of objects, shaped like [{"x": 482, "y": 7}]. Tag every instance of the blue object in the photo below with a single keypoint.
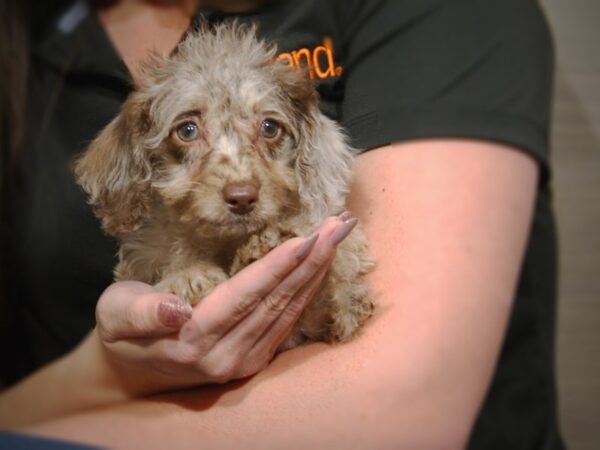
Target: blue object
[{"x": 17, "y": 441}]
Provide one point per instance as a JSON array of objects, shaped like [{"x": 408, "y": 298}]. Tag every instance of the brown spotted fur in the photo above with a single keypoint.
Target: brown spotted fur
[{"x": 163, "y": 199}]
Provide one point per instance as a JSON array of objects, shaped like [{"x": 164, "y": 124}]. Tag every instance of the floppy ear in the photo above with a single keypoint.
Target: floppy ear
[
  {"x": 115, "y": 170},
  {"x": 324, "y": 162},
  {"x": 323, "y": 167}
]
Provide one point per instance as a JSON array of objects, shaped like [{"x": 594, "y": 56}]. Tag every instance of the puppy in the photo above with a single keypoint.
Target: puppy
[{"x": 219, "y": 155}]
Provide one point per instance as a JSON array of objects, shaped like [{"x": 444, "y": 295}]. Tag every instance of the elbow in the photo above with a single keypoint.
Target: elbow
[
  {"x": 415, "y": 416},
  {"x": 428, "y": 433}
]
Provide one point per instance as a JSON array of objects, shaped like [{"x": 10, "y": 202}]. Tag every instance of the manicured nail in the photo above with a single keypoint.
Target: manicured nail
[
  {"x": 345, "y": 216},
  {"x": 307, "y": 246},
  {"x": 173, "y": 312},
  {"x": 343, "y": 230}
]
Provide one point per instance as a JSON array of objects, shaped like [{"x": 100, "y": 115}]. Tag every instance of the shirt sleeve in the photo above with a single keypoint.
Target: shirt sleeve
[{"x": 448, "y": 68}]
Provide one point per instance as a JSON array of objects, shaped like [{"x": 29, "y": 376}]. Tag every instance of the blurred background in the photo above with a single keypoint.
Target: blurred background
[{"x": 576, "y": 160}]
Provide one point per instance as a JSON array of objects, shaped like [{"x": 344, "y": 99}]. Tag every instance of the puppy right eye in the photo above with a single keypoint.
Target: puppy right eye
[
  {"x": 269, "y": 129},
  {"x": 188, "y": 132}
]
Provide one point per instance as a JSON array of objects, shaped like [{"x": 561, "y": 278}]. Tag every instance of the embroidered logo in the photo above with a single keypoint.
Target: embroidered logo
[{"x": 320, "y": 60}]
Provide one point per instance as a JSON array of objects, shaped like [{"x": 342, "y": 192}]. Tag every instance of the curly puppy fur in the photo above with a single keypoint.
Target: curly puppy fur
[{"x": 196, "y": 185}]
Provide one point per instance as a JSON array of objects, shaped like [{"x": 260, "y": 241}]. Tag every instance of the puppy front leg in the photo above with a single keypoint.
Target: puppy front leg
[
  {"x": 192, "y": 283},
  {"x": 257, "y": 246}
]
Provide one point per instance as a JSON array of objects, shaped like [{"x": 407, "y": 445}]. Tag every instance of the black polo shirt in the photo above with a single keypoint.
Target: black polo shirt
[{"x": 387, "y": 70}]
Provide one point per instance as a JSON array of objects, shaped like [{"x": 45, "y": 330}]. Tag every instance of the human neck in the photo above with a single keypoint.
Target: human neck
[
  {"x": 138, "y": 27},
  {"x": 184, "y": 5}
]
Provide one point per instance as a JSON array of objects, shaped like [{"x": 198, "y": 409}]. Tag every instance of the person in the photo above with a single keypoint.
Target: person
[{"x": 449, "y": 103}]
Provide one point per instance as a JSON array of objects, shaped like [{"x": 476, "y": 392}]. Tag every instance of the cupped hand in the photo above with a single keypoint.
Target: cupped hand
[{"x": 154, "y": 342}]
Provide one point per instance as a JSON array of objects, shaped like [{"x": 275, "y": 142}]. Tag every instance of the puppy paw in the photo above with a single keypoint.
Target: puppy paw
[
  {"x": 257, "y": 246},
  {"x": 349, "y": 316},
  {"x": 337, "y": 312},
  {"x": 193, "y": 284}
]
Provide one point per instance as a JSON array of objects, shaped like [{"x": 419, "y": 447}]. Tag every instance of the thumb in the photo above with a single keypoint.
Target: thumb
[{"x": 134, "y": 310}]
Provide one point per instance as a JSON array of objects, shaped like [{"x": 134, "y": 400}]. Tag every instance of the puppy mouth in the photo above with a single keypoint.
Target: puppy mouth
[
  {"x": 248, "y": 220},
  {"x": 231, "y": 224}
]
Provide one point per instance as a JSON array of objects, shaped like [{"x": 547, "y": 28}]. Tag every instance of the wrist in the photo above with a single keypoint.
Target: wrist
[
  {"x": 82, "y": 379},
  {"x": 100, "y": 382}
]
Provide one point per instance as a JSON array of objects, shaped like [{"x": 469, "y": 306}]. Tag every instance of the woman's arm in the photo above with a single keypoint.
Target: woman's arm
[{"x": 447, "y": 221}]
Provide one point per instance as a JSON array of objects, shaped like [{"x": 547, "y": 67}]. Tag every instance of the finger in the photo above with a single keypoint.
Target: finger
[
  {"x": 234, "y": 299},
  {"x": 276, "y": 277},
  {"x": 277, "y": 303},
  {"x": 161, "y": 351},
  {"x": 279, "y": 331},
  {"x": 263, "y": 331},
  {"x": 133, "y": 310}
]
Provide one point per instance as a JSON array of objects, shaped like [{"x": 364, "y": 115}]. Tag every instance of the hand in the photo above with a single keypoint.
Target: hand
[{"x": 154, "y": 342}]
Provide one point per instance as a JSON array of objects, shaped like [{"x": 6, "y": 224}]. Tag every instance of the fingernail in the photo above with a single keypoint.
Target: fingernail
[
  {"x": 345, "y": 216},
  {"x": 173, "y": 312},
  {"x": 343, "y": 230},
  {"x": 307, "y": 246}
]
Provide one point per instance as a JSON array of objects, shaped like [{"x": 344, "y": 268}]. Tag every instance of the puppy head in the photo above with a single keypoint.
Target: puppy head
[{"x": 222, "y": 137}]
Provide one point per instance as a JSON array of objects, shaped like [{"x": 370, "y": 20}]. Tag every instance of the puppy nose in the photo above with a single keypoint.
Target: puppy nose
[{"x": 241, "y": 197}]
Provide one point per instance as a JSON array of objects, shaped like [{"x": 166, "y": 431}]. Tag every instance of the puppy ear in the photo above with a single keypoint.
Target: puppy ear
[
  {"x": 324, "y": 162},
  {"x": 324, "y": 167},
  {"x": 115, "y": 170}
]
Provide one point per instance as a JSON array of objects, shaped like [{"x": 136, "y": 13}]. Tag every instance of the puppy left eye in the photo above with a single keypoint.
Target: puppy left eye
[
  {"x": 269, "y": 129},
  {"x": 188, "y": 132}
]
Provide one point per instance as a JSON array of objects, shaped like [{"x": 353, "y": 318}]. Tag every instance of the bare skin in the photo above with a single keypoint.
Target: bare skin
[{"x": 137, "y": 27}]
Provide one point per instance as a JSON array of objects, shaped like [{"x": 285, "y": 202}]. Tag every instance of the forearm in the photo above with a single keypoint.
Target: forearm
[
  {"x": 71, "y": 384},
  {"x": 316, "y": 396},
  {"x": 311, "y": 397}
]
